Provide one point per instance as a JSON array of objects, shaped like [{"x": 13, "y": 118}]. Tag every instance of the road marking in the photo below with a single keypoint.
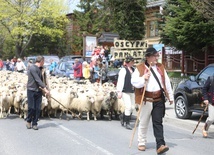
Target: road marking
[{"x": 83, "y": 139}]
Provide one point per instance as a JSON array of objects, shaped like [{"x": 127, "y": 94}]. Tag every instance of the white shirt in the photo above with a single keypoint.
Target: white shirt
[
  {"x": 20, "y": 66},
  {"x": 121, "y": 79},
  {"x": 152, "y": 84}
]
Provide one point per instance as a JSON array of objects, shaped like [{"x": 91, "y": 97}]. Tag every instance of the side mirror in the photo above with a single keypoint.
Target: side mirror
[{"x": 192, "y": 78}]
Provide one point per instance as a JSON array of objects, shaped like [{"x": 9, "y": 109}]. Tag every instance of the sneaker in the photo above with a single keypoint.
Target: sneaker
[
  {"x": 204, "y": 132},
  {"x": 28, "y": 125},
  {"x": 35, "y": 127},
  {"x": 142, "y": 147},
  {"x": 162, "y": 149}
]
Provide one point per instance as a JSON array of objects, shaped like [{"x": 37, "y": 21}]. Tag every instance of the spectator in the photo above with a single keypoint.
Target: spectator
[
  {"x": 8, "y": 64},
  {"x": 11, "y": 66},
  {"x": 14, "y": 60},
  {"x": 86, "y": 70},
  {"x": 52, "y": 66},
  {"x": 1, "y": 64},
  {"x": 96, "y": 52},
  {"x": 92, "y": 63},
  {"x": 96, "y": 70},
  {"x": 103, "y": 72},
  {"x": 20, "y": 66},
  {"x": 117, "y": 63},
  {"x": 77, "y": 69}
]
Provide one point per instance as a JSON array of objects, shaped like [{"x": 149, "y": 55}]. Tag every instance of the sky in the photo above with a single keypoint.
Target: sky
[{"x": 72, "y": 5}]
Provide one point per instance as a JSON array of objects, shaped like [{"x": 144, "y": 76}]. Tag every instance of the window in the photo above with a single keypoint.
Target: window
[
  {"x": 152, "y": 29},
  {"x": 206, "y": 73}
]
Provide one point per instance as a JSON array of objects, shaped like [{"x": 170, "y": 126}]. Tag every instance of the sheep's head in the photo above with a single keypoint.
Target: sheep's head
[
  {"x": 91, "y": 99},
  {"x": 113, "y": 95}
]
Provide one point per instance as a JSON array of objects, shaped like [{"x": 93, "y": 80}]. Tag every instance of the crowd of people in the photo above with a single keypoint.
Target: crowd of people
[
  {"x": 94, "y": 69},
  {"x": 14, "y": 64}
]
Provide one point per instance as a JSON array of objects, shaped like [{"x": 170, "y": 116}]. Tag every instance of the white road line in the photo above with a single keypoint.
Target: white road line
[{"x": 83, "y": 139}]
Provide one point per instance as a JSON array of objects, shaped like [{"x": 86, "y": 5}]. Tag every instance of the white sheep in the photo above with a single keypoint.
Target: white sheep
[
  {"x": 96, "y": 107},
  {"x": 81, "y": 104}
]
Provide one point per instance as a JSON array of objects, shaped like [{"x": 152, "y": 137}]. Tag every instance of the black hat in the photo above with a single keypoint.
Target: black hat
[
  {"x": 128, "y": 59},
  {"x": 150, "y": 51}
]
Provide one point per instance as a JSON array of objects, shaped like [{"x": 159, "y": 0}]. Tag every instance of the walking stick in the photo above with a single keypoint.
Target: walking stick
[
  {"x": 138, "y": 113},
  {"x": 58, "y": 102},
  {"x": 205, "y": 109}
]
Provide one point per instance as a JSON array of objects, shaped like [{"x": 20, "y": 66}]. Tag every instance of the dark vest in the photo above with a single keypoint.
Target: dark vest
[{"x": 128, "y": 88}]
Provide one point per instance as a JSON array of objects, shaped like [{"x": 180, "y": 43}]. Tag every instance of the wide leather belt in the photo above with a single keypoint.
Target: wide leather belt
[
  {"x": 152, "y": 100},
  {"x": 153, "y": 95}
]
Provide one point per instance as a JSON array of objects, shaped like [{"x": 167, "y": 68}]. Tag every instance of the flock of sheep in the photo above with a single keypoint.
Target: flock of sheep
[{"x": 69, "y": 97}]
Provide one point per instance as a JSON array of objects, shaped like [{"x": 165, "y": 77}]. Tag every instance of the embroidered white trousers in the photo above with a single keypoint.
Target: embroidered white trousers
[
  {"x": 129, "y": 101},
  {"x": 210, "y": 118}
]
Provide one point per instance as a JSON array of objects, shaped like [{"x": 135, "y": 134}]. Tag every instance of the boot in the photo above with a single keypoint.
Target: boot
[
  {"x": 122, "y": 117},
  {"x": 127, "y": 120}
]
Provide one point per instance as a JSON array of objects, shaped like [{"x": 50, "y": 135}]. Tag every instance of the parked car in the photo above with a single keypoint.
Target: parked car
[
  {"x": 64, "y": 69},
  {"x": 72, "y": 58},
  {"x": 47, "y": 63},
  {"x": 188, "y": 93}
]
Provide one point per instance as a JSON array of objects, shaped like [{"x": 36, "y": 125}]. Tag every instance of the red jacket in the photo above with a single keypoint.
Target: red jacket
[
  {"x": 77, "y": 69},
  {"x": 1, "y": 64}
]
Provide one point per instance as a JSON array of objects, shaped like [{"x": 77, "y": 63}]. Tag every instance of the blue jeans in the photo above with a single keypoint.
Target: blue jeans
[
  {"x": 77, "y": 78},
  {"x": 34, "y": 106}
]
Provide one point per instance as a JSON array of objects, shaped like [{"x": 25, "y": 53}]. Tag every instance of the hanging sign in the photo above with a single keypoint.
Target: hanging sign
[{"x": 135, "y": 48}]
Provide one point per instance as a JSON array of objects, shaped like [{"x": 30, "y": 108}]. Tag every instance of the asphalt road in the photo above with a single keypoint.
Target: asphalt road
[{"x": 102, "y": 137}]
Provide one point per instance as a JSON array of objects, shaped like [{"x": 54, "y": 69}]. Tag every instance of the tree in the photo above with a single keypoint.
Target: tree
[
  {"x": 24, "y": 19},
  {"x": 184, "y": 28},
  {"x": 205, "y": 7},
  {"x": 93, "y": 18},
  {"x": 128, "y": 18}
]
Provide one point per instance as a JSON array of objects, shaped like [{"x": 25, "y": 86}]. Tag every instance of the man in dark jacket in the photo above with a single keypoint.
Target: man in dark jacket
[
  {"x": 208, "y": 97},
  {"x": 34, "y": 93}
]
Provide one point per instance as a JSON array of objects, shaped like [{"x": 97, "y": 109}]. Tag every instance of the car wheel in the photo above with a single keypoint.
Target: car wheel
[{"x": 181, "y": 108}]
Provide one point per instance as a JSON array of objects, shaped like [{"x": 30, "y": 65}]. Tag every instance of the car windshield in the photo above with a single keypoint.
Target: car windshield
[
  {"x": 206, "y": 73},
  {"x": 68, "y": 66},
  {"x": 49, "y": 58}
]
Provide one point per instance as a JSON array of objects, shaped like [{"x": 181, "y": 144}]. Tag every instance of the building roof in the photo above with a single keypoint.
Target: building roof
[
  {"x": 155, "y": 3},
  {"x": 107, "y": 37}
]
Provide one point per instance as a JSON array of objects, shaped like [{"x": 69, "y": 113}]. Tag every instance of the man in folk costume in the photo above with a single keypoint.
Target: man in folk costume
[
  {"x": 208, "y": 97},
  {"x": 154, "y": 78},
  {"x": 126, "y": 90}
]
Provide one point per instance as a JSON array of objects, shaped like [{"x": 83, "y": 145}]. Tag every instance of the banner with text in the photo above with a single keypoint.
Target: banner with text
[{"x": 135, "y": 48}]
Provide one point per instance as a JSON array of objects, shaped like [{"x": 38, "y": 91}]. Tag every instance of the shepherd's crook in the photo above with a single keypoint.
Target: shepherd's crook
[
  {"x": 205, "y": 109},
  {"x": 57, "y": 101},
  {"x": 138, "y": 113}
]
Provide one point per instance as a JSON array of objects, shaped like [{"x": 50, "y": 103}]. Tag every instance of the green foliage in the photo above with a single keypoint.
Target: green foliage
[
  {"x": 124, "y": 17},
  {"x": 94, "y": 17},
  {"x": 24, "y": 19},
  {"x": 185, "y": 28},
  {"x": 129, "y": 18},
  {"x": 204, "y": 7}
]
